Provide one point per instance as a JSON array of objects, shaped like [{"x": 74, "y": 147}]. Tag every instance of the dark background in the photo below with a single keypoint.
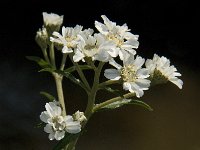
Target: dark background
[{"x": 167, "y": 28}]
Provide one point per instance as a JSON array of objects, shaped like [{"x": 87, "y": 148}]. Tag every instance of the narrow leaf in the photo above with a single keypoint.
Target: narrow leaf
[
  {"x": 71, "y": 77},
  {"x": 82, "y": 67},
  {"x": 41, "y": 62},
  {"x": 123, "y": 102},
  {"x": 50, "y": 97},
  {"x": 114, "y": 91}
]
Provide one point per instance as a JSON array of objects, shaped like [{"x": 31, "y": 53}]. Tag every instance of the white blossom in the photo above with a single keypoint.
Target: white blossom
[
  {"x": 125, "y": 41},
  {"x": 133, "y": 76},
  {"x": 69, "y": 38},
  {"x": 160, "y": 66},
  {"x": 57, "y": 124},
  {"x": 52, "y": 19},
  {"x": 42, "y": 37},
  {"x": 95, "y": 47}
]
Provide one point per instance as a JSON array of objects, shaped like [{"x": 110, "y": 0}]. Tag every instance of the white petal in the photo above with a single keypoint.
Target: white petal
[
  {"x": 44, "y": 116},
  {"x": 66, "y": 50},
  {"x": 116, "y": 65},
  {"x": 51, "y": 136},
  {"x": 112, "y": 74},
  {"x": 48, "y": 128},
  {"x": 142, "y": 73},
  {"x": 59, "y": 135},
  {"x": 177, "y": 82},
  {"x": 78, "y": 56},
  {"x": 143, "y": 83},
  {"x": 73, "y": 127}
]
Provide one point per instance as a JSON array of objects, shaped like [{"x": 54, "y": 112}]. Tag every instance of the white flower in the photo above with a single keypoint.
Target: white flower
[
  {"x": 95, "y": 47},
  {"x": 79, "y": 116},
  {"x": 52, "y": 19},
  {"x": 57, "y": 124},
  {"x": 68, "y": 39},
  {"x": 124, "y": 40},
  {"x": 159, "y": 67},
  {"x": 133, "y": 76}
]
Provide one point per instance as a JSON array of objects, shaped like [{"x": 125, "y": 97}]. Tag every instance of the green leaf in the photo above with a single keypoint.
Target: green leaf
[
  {"x": 40, "y": 125},
  {"x": 82, "y": 67},
  {"x": 47, "y": 70},
  {"x": 114, "y": 91},
  {"x": 66, "y": 140},
  {"x": 48, "y": 96},
  {"x": 123, "y": 102},
  {"x": 41, "y": 62}
]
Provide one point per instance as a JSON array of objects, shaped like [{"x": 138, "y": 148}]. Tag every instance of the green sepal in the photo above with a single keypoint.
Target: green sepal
[{"x": 50, "y": 97}]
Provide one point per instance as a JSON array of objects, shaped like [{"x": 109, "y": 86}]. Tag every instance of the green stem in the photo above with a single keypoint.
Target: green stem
[
  {"x": 92, "y": 96},
  {"x": 62, "y": 66},
  {"x": 80, "y": 72},
  {"x": 52, "y": 55},
  {"x": 44, "y": 51},
  {"x": 91, "y": 101},
  {"x": 99, "y": 106},
  {"x": 58, "y": 79}
]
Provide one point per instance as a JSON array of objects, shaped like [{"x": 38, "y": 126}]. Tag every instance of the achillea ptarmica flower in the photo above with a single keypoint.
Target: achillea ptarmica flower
[
  {"x": 125, "y": 41},
  {"x": 133, "y": 76},
  {"x": 42, "y": 38},
  {"x": 161, "y": 71},
  {"x": 79, "y": 116},
  {"x": 95, "y": 47},
  {"x": 68, "y": 39},
  {"x": 57, "y": 124},
  {"x": 52, "y": 21}
]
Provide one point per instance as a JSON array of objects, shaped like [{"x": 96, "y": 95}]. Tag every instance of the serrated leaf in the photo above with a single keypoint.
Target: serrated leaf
[
  {"x": 66, "y": 140},
  {"x": 50, "y": 97},
  {"x": 82, "y": 67},
  {"x": 41, "y": 62},
  {"x": 123, "y": 102}
]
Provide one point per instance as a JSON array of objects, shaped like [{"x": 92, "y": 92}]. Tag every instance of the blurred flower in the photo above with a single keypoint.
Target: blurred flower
[
  {"x": 125, "y": 41},
  {"x": 161, "y": 71},
  {"x": 57, "y": 124},
  {"x": 133, "y": 76}
]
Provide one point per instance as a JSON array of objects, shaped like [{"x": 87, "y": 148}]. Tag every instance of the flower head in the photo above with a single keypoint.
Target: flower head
[
  {"x": 52, "y": 21},
  {"x": 161, "y": 71},
  {"x": 125, "y": 41},
  {"x": 133, "y": 76},
  {"x": 68, "y": 39},
  {"x": 95, "y": 47},
  {"x": 57, "y": 124}
]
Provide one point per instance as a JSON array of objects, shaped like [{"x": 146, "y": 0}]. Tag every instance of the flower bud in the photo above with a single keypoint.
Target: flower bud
[
  {"x": 42, "y": 38},
  {"x": 79, "y": 116}
]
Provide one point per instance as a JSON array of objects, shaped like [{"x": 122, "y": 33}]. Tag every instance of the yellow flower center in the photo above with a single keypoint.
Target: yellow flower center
[{"x": 128, "y": 73}]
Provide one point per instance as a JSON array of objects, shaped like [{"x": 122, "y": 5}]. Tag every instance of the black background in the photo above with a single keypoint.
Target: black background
[{"x": 167, "y": 28}]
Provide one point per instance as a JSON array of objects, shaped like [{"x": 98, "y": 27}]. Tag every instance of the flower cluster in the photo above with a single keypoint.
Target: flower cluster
[
  {"x": 57, "y": 124},
  {"x": 112, "y": 41}
]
